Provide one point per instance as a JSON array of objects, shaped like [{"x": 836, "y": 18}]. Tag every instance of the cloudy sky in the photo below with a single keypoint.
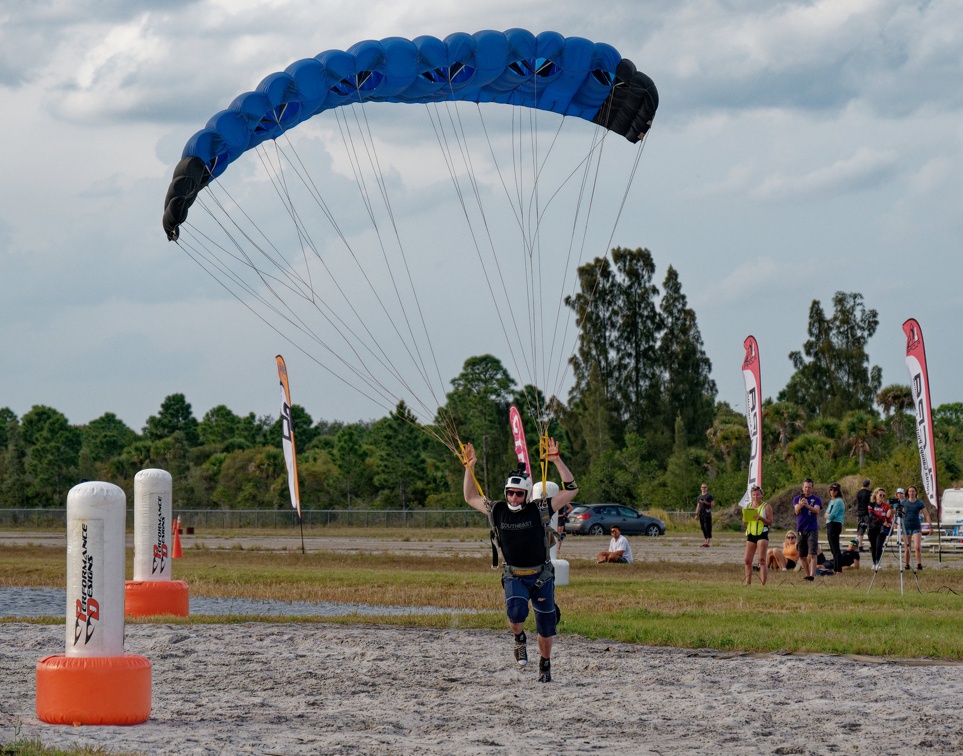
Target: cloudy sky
[{"x": 800, "y": 148}]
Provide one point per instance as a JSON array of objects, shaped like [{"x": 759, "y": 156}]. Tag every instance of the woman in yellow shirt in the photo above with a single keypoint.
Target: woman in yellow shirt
[{"x": 757, "y": 536}]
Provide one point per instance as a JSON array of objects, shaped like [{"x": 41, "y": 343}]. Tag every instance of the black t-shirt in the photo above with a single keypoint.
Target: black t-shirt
[
  {"x": 848, "y": 558},
  {"x": 704, "y": 507},
  {"x": 863, "y": 497},
  {"x": 521, "y": 534}
]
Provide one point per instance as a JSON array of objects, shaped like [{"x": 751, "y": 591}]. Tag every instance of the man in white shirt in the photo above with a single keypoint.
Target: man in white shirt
[{"x": 619, "y": 549}]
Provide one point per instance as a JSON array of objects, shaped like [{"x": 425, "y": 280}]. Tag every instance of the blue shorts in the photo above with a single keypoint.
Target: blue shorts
[
  {"x": 518, "y": 592},
  {"x": 913, "y": 531}
]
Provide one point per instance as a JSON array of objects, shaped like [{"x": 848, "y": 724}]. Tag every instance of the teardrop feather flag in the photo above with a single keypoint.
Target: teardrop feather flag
[
  {"x": 518, "y": 433},
  {"x": 751, "y": 377},
  {"x": 287, "y": 437},
  {"x": 920, "y": 385}
]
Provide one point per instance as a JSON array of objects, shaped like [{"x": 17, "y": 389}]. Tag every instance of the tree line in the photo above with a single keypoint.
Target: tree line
[{"x": 641, "y": 424}]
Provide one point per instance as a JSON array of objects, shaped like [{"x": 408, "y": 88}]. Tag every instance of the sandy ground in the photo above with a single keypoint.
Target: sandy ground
[{"x": 306, "y": 688}]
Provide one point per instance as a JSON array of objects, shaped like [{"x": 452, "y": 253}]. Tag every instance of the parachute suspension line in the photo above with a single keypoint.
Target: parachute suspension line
[
  {"x": 353, "y": 155},
  {"x": 198, "y": 257},
  {"x": 463, "y": 458},
  {"x": 458, "y": 136},
  {"x": 275, "y": 172},
  {"x": 447, "y": 436},
  {"x": 534, "y": 405},
  {"x": 369, "y": 376},
  {"x": 529, "y": 242},
  {"x": 598, "y": 271},
  {"x": 594, "y": 155},
  {"x": 304, "y": 175},
  {"x": 517, "y": 205},
  {"x": 458, "y": 132},
  {"x": 384, "y": 360},
  {"x": 379, "y": 174},
  {"x": 319, "y": 305}
]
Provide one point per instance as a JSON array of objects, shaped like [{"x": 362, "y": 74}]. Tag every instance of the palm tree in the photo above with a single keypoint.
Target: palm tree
[
  {"x": 860, "y": 429},
  {"x": 896, "y": 398},
  {"x": 785, "y": 416}
]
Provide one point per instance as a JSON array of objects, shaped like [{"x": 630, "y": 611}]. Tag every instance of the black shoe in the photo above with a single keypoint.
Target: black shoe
[
  {"x": 809, "y": 577},
  {"x": 544, "y": 670},
  {"x": 521, "y": 650},
  {"x": 919, "y": 567}
]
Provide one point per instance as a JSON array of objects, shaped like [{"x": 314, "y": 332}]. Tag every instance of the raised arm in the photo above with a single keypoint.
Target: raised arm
[
  {"x": 569, "y": 487},
  {"x": 472, "y": 497}
]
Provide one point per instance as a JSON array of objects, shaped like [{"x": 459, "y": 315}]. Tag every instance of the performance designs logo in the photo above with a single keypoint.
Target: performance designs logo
[
  {"x": 88, "y": 608},
  {"x": 161, "y": 551},
  {"x": 913, "y": 341}
]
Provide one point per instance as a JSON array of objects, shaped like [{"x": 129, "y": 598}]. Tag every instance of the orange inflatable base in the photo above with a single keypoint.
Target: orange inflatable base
[
  {"x": 149, "y": 598},
  {"x": 101, "y": 690}
]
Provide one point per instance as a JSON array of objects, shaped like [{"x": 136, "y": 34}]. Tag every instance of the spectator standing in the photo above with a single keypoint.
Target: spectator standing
[
  {"x": 704, "y": 513},
  {"x": 757, "y": 536},
  {"x": 864, "y": 498},
  {"x": 912, "y": 526},
  {"x": 879, "y": 519},
  {"x": 835, "y": 511},
  {"x": 807, "y": 507}
]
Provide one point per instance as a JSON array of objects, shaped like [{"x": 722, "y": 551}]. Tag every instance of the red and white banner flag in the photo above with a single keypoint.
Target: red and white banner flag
[
  {"x": 750, "y": 375},
  {"x": 920, "y": 385},
  {"x": 287, "y": 437},
  {"x": 518, "y": 433}
]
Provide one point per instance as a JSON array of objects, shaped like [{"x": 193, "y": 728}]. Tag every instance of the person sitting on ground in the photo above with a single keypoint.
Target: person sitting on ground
[
  {"x": 850, "y": 557},
  {"x": 619, "y": 549},
  {"x": 785, "y": 558}
]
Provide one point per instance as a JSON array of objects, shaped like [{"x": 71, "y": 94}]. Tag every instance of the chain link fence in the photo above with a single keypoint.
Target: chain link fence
[{"x": 234, "y": 519}]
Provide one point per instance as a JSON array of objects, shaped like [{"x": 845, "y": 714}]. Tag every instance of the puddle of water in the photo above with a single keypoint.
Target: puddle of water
[{"x": 51, "y": 602}]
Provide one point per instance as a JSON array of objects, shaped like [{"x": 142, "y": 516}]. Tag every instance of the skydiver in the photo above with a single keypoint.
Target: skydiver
[{"x": 519, "y": 525}]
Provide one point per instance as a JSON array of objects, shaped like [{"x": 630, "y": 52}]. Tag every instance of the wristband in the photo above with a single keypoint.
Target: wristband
[{"x": 569, "y": 485}]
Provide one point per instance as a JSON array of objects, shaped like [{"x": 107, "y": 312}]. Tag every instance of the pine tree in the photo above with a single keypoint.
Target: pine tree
[{"x": 689, "y": 392}]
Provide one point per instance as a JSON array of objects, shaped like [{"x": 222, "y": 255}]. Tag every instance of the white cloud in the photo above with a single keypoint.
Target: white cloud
[
  {"x": 801, "y": 147},
  {"x": 865, "y": 168}
]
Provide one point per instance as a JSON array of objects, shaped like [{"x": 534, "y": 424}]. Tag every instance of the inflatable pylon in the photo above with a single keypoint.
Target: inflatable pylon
[{"x": 177, "y": 552}]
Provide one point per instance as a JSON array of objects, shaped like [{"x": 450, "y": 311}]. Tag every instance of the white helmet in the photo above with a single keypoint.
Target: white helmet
[
  {"x": 537, "y": 490},
  {"x": 518, "y": 480}
]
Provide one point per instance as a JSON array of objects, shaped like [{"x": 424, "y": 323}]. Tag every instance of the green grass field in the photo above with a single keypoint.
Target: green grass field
[{"x": 670, "y": 603}]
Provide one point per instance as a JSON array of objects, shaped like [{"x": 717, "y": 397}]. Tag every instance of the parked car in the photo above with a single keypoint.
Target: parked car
[{"x": 598, "y": 519}]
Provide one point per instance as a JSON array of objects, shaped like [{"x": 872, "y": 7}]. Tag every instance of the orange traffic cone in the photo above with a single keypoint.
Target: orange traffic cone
[{"x": 177, "y": 552}]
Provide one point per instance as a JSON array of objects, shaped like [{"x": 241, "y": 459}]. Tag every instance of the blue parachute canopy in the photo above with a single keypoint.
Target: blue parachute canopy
[{"x": 570, "y": 76}]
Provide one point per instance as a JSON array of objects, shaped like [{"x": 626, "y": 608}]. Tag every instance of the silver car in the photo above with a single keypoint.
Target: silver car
[{"x": 598, "y": 519}]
